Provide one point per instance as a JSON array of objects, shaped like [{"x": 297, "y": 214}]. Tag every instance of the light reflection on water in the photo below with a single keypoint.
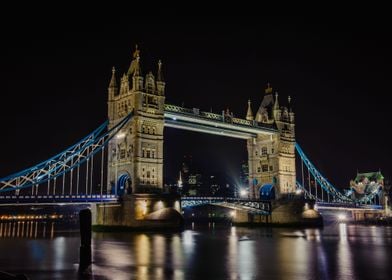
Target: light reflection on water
[{"x": 216, "y": 252}]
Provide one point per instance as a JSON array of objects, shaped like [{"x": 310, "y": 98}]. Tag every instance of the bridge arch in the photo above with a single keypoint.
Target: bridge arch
[
  {"x": 124, "y": 184},
  {"x": 267, "y": 192}
]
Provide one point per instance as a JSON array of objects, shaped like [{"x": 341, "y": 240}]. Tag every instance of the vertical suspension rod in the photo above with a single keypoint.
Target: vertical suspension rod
[{"x": 102, "y": 159}]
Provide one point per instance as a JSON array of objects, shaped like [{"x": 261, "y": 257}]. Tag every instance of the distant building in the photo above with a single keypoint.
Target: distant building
[
  {"x": 195, "y": 185},
  {"x": 366, "y": 184}
]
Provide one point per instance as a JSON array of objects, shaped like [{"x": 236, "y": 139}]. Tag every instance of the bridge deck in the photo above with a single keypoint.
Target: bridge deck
[{"x": 195, "y": 120}]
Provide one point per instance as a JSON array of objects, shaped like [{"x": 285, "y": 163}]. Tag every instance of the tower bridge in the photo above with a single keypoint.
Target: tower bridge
[{"x": 119, "y": 166}]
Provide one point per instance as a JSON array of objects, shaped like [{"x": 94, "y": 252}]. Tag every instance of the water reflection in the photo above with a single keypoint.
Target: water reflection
[
  {"x": 210, "y": 252},
  {"x": 26, "y": 229},
  {"x": 344, "y": 258}
]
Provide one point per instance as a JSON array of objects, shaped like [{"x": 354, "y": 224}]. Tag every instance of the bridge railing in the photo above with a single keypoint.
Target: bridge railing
[{"x": 74, "y": 198}]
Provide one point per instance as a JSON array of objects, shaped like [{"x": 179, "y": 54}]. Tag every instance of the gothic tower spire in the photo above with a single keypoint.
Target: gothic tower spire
[
  {"x": 113, "y": 82},
  {"x": 160, "y": 81},
  {"x": 249, "y": 114},
  {"x": 276, "y": 110},
  {"x": 113, "y": 89},
  {"x": 159, "y": 74}
]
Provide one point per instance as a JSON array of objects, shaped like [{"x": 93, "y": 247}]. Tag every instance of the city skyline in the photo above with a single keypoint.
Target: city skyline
[{"x": 56, "y": 87}]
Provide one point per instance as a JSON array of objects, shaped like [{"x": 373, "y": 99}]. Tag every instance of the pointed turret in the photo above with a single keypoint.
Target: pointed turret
[
  {"x": 276, "y": 109},
  {"x": 159, "y": 74},
  {"x": 138, "y": 71},
  {"x": 112, "y": 92},
  {"x": 113, "y": 85},
  {"x": 291, "y": 113},
  {"x": 249, "y": 114},
  {"x": 276, "y": 104},
  {"x": 160, "y": 81}
]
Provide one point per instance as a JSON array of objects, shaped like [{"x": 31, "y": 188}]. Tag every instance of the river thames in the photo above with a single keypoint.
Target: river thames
[{"x": 201, "y": 251}]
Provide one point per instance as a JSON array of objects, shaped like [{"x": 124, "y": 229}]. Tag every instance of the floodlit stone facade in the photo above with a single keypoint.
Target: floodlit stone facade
[
  {"x": 135, "y": 154},
  {"x": 271, "y": 158}
]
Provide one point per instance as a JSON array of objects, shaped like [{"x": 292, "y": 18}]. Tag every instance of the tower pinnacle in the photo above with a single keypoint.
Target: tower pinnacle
[
  {"x": 113, "y": 82},
  {"x": 249, "y": 114},
  {"x": 136, "y": 53},
  {"x": 159, "y": 74},
  {"x": 276, "y": 104}
]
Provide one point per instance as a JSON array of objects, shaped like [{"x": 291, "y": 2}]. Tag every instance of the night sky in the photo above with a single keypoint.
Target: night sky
[{"x": 55, "y": 70}]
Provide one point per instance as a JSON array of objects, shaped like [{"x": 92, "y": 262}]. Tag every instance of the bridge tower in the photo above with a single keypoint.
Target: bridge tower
[
  {"x": 135, "y": 154},
  {"x": 271, "y": 158}
]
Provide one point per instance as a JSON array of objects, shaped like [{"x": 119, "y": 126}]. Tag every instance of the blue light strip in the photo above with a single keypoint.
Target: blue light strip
[
  {"x": 59, "y": 161},
  {"x": 326, "y": 185}
]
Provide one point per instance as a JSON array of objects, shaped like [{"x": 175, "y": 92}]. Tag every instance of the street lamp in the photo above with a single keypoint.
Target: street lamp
[
  {"x": 243, "y": 193},
  {"x": 298, "y": 191}
]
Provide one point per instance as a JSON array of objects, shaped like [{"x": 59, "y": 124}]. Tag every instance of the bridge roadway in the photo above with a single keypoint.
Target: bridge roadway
[
  {"x": 262, "y": 207},
  {"x": 223, "y": 125},
  {"x": 253, "y": 206}
]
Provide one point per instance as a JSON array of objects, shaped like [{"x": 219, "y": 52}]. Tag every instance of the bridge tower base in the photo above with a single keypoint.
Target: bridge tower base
[
  {"x": 284, "y": 213},
  {"x": 139, "y": 212}
]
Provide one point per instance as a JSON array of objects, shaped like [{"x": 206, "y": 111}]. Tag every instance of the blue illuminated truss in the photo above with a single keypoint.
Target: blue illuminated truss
[
  {"x": 65, "y": 161},
  {"x": 327, "y": 186}
]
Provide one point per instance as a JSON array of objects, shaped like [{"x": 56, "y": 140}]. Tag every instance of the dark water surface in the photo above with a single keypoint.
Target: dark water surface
[{"x": 338, "y": 251}]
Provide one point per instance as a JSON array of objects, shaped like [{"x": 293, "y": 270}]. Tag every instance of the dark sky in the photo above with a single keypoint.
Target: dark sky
[{"x": 55, "y": 69}]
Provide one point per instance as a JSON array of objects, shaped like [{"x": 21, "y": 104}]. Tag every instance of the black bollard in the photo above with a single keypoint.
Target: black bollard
[{"x": 85, "y": 240}]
